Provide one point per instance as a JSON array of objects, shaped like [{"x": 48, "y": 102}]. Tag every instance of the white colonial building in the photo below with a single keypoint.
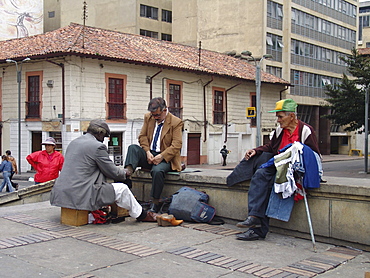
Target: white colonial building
[{"x": 76, "y": 74}]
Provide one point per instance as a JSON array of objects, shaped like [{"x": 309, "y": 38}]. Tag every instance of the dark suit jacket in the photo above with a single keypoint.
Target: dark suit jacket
[{"x": 171, "y": 138}]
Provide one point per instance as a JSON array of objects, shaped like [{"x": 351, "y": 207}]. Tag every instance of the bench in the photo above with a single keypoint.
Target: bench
[{"x": 75, "y": 217}]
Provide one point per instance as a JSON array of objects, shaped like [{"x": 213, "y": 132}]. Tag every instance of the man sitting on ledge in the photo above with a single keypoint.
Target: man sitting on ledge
[
  {"x": 82, "y": 182},
  {"x": 262, "y": 179}
]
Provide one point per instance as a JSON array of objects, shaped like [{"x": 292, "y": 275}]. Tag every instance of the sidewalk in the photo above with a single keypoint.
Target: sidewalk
[{"x": 33, "y": 243}]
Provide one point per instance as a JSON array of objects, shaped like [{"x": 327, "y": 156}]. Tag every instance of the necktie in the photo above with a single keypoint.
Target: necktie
[{"x": 159, "y": 127}]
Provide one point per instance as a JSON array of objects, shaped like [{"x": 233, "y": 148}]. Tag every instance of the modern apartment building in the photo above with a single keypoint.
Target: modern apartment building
[
  {"x": 364, "y": 25},
  {"x": 150, "y": 18},
  {"x": 305, "y": 37}
]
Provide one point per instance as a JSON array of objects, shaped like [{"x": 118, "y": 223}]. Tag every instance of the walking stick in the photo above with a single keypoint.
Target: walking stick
[{"x": 309, "y": 219}]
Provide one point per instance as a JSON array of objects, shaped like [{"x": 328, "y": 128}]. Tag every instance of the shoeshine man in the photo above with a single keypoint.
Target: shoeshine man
[
  {"x": 160, "y": 146},
  {"x": 82, "y": 183},
  {"x": 290, "y": 129}
]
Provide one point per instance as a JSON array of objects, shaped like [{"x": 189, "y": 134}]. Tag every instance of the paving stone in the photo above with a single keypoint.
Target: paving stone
[
  {"x": 255, "y": 269},
  {"x": 192, "y": 256},
  {"x": 307, "y": 267},
  {"x": 149, "y": 253},
  {"x": 35, "y": 238},
  {"x": 136, "y": 249},
  {"x": 112, "y": 243},
  {"x": 339, "y": 255},
  {"x": 230, "y": 264},
  {"x": 97, "y": 239},
  {"x": 130, "y": 247},
  {"x": 239, "y": 265},
  {"x": 326, "y": 260},
  {"x": 26, "y": 239},
  {"x": 217, "y": 260},
  {"x": 343, "y": 250},
  {"x": 272, "y": 273},
  {"x": 264, "y": 271},
  {"x": 247, "y": 267},
  {"x": 210, "y": 258},
  {"x": 226, "y": 261},
  {"x": 7, "y": 243},
  {"x": 196, "y": 251},
  {"x": 299, "y": 271},
  {"x": 316, "y": 264},
  {"x": 181, "y": 250},
  {"x": 206, "y": 256}
]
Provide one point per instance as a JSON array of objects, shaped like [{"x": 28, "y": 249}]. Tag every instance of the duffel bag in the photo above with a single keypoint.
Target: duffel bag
[{"x": 191, "y": 205}]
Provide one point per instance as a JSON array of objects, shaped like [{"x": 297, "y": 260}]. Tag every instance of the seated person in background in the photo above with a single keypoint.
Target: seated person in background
[
  {"x": 262, "y": 179},
  {"x": 82, "y": 182},
  {"x": 159, "y": 148}
]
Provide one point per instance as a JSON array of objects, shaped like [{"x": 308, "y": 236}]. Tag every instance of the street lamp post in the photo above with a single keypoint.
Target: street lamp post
[
  {"x": 19, "y": 81},
  {"x": 258, "y": 93}
]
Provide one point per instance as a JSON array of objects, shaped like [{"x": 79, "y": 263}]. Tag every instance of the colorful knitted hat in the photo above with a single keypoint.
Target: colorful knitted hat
[{"x": 286, "y": 105}]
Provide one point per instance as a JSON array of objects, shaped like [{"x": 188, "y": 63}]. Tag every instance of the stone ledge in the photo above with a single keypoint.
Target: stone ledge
[{"x": 339, "y": 212}]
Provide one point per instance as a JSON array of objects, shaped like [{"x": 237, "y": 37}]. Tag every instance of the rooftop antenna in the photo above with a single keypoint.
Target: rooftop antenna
[{"x": 84, "y": 17}]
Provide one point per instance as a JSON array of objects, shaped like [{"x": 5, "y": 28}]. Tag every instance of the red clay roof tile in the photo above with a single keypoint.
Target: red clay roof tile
[{"x": 112, "y": 45}]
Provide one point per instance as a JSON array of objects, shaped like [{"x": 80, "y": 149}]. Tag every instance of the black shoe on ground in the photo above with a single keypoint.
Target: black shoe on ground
[
  {"x": 249, "y": 235},
  {"x": 250, "y": 222}
]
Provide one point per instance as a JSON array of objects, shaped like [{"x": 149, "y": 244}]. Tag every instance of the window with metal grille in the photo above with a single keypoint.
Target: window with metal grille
[
  {"x": 148, "y": 12},
  {"x": 148, "y": 33},
  {"x": 33, "y": 97},
  {"x": 58, "y": 139},
  {"x": 174, "y": 105},
  {"x": 166, "y": 37},
  {"x": 116, "y": 105},
  {"x": 167, "y": 16},
  {"x": 218, "y": 107}
]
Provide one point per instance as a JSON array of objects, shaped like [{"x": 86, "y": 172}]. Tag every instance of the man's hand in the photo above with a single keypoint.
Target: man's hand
[
  {"x": 249, "y": 154},
  {"x": 149, "y": 157},
  {"x": 157, "y": 159}
]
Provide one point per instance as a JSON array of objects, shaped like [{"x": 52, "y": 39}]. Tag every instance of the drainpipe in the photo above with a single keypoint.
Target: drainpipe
[
  {"x": 226, "y": 109},
  {"x": 151, "y": 83},
  {"x": 281, "y": 92},
  {"x": 205, "y": 109},
  {"x": 63, "y": 90}
]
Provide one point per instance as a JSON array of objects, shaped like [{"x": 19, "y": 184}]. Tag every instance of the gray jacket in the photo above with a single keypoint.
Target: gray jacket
[{"x": 82, "y": 182}]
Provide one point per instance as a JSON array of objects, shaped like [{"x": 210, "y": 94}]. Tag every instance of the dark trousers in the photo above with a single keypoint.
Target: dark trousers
[
  {"x": 136, "y": 157},
  {"x": 259, "y": 195},
  {"x": 261, "y": 182},
  {"x": 224, "y": 160}
]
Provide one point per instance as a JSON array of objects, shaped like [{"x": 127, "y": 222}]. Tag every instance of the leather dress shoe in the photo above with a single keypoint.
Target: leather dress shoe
[
  {"x": 249, "y": 235},
  {"x": 250, "y": 222},
  {"x": 150, "y": 217}
]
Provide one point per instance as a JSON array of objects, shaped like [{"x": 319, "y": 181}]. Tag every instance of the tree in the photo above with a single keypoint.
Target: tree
[{"x": 347, "y": 100}]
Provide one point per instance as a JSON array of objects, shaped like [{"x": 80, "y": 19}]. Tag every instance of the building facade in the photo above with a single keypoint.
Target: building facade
[
  {"x": 95, "y": 73},
  {"x": 305, "y": 38},
  {"x": 152, "y": 18}
]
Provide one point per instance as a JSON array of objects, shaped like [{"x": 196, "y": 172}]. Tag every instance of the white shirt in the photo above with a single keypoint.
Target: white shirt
[{"x": 158, "y": 148}]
